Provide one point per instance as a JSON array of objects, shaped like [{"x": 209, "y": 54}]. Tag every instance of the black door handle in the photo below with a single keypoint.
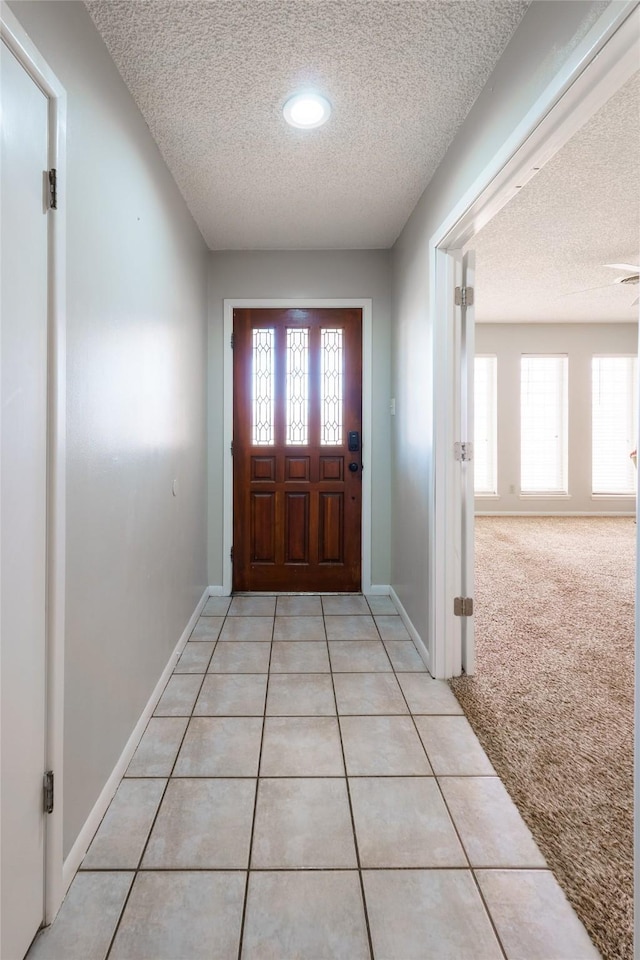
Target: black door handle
[{"x": 353, "y": 467}]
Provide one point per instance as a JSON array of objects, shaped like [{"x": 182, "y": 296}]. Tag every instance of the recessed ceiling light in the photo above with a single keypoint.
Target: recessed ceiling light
[{"x": 307, "y": 110}]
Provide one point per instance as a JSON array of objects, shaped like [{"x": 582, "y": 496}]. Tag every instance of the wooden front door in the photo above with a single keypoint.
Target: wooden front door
[{"x": 297, "y": 461}]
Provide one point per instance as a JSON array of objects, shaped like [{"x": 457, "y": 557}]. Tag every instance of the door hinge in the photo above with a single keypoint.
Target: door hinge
[
  {"x": 231, "y": 447},
  {"x": 52, "y": 195},
  {"x": 233, "y": 340},
  {"x": 48, "y": 791},
  {"x": 463, "y": 606},
  {"x": 231, "y": 554},
  {"x": 464, "y": 297},
  {"x": 463, "y": 450}
]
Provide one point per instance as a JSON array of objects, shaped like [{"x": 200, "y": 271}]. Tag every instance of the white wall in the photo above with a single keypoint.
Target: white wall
[
  {"x": 542, "y": 43},
  {"x": 580, "y": 341},
  {"x": 136, "y": 354},
  {"x": 319, "y": 274}
]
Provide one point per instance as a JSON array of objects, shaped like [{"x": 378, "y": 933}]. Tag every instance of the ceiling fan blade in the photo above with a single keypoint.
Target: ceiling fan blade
[{"x": 623, "y": 266}]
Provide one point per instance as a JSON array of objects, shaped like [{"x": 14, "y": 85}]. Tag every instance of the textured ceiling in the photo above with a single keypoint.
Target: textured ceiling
[
  {"x": 211, "y": 77},
  {"x": 538, "y": 259}
]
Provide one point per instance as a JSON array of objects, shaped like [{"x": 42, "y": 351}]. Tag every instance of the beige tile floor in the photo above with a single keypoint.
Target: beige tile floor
[{"x": 305, "y": 790}]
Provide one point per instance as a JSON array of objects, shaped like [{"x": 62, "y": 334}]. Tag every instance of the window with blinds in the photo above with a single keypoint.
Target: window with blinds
[
  {"x": 543, "y": 424},
  {"x": 485, "y": 414},
  {"x": 613, "y": 419}
]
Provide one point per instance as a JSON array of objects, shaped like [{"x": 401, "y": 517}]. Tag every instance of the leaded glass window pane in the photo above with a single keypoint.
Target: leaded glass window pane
[
  {"x": 331, "y": 378},
  {"x": 263, "y": 387},
  {"x": 297, "y": 386}
]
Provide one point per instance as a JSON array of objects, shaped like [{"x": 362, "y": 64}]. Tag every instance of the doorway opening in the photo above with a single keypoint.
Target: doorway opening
[
  {"x": 232, "y": 383},
  {"x": 565, "y": 719},
  {"x": 554, "y": 550},
  {"x": 297, "y": 450},
  {"x": 599, "y": 67}
]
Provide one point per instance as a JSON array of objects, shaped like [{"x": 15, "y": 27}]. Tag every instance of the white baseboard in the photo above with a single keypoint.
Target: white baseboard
[
  {"x": 80, "y": 847},
  {"x": 413, "y": 633},
  {"x": 218, "y": 591},
  {"x": 379, "y": 590},
  {"x": 554, "y": 513}
]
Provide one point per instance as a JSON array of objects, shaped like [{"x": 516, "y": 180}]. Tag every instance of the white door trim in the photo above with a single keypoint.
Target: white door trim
[
  {"x": 605, "y": 59},
  {"x": 29, "y": 57},
  {"x": 366, "y": 305}
]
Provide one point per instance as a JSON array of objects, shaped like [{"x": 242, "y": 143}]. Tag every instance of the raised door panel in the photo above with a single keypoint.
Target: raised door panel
[
  {"x": 331, "y": 468},
  {"x": 263, "y": 515},
  {"x": 263, "y": 469},
  {"x": 297, "y": 469},
  {"x": 296, "y": 528},
  {"x": 331, "y": 528}
]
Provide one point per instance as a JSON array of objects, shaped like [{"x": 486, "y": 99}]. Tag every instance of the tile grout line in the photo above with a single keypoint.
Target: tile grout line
[
  {"x": 137, "y": 870},
  {"x": 469, "y": 868},
  {"x": 473, "y": 874},
  {"x": 435, "y": 869},
  {"x": 453, "y": 823},
  {"x": 318, "y": 776},
  {"x": 404, "y": 697},
  {"x": 346, "y": 780},
  {"x": 255, "y": 799}
]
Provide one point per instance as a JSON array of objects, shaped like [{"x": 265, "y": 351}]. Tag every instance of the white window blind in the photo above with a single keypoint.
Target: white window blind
[
  {"x": 543, "y": 424},
  {"x": 485, "y": 412},
  {"x": 613, "y": 390}
]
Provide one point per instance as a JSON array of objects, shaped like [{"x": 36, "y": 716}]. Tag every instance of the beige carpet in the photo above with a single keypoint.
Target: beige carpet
[{"x": 552, "y": 700}]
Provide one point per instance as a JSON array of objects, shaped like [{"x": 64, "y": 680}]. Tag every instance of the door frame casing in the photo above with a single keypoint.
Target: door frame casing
[
  {"x": 597, "y": 68},
  {"x": 27, "y": 54},
  {"x": 366, "y": 305}
]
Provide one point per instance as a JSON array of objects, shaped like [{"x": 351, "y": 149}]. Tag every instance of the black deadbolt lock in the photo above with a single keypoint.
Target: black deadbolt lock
[{"x": 354, "y": 442}]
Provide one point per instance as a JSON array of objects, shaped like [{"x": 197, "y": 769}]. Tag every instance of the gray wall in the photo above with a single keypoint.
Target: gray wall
[
  {"x": 541, "y": 44},
  {"x": 311, "y": 274},
  {"x": 580, "y": 341},
  {"x": 136, "y": 354}
]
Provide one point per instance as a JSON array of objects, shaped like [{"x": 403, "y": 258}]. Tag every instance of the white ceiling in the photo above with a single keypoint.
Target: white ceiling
[
  {"x": 211, "y": 76},
  {"x": 538, "y": 259}
]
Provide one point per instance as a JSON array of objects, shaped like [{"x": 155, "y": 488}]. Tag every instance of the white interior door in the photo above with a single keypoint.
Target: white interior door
[
  {"x": 462, "y": 504},
  {"x": 23, "y": 501},
  {"x": 467, "y": 500}
]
